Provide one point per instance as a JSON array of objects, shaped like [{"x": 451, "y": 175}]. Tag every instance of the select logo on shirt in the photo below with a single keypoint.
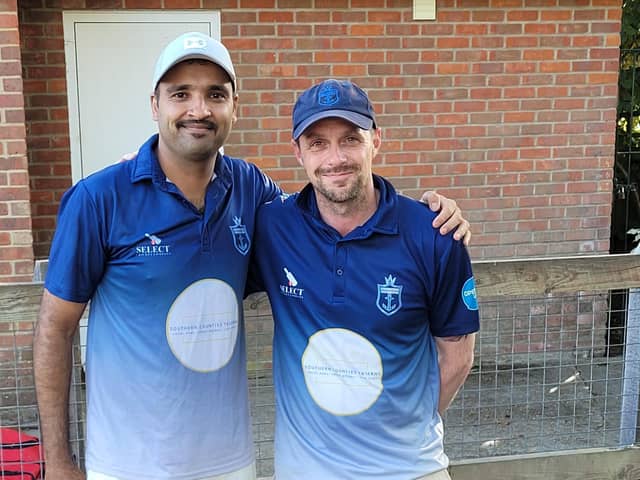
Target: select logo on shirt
[
  {"x": 241, "y": 239},
  {"x": 469, "y": 294},
  {"x": 291, "y": 289},
  {"x": 153, "y": 247},
  {"x": 389, "y": 299}
]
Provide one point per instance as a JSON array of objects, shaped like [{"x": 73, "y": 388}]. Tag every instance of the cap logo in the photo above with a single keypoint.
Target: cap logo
[
  {"x": 328, "y": 96},
  {"x": 194, "y": 42}
]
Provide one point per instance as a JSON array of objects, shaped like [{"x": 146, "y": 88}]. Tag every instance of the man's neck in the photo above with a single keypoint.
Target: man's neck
[
  {"x": 345, "y": 217},
  {"x": 192, "y": 178}
]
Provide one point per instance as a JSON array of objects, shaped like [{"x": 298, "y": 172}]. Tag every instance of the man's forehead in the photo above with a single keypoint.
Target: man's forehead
[
  {"x": 334, "y": 123},
  {"x": 182, "y": 67}
]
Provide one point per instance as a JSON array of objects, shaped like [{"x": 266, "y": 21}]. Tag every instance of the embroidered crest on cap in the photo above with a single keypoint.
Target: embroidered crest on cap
[
  {"x": 328, "y": 95},
  {"x": 194, "y": 42}
]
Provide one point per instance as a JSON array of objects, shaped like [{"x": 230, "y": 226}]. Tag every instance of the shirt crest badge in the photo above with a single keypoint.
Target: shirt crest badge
[
  {"x": 389, "y": 296},
  {"x": 241, "y": 239}
]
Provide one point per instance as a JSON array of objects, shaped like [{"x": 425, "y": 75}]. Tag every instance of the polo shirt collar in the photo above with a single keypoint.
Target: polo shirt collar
[
  {"x": 147, "y": 166},
  {"x": 384, "y": 220}
]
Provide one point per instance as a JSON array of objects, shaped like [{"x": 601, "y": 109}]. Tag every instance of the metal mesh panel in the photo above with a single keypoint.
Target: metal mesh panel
[
  {"x": 17, "y": 393},
  {"x": 540, "y": 382}
]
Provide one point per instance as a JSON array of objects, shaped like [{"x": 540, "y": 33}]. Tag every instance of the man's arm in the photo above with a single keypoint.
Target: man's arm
[
  {"x": 455, "y": 357},
  {"x": 52, "y": 344},
  {"x": 450, "y": 216}
]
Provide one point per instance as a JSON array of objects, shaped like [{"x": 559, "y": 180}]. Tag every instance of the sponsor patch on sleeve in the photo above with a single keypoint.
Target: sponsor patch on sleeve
[{"x": 469, "y": 294}]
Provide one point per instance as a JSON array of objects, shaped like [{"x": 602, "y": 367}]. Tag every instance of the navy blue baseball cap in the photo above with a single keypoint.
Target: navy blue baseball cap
[{"x": 333, "y": 98}]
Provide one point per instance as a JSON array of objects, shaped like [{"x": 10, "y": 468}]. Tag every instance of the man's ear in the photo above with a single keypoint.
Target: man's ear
[
  {"x": 377, "y": 140},
  {"x": 296, "y": 151},
  {"x": 234, "y": 117},
  {"x": 154, "y": 107}
]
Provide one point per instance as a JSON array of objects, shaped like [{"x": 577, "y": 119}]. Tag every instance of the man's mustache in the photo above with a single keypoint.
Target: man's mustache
[
  {"x": 340, "y": 169},
  {"x": 197, "y": 123}
]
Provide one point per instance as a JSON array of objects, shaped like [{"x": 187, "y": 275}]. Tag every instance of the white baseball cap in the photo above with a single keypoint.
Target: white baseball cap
[{"x": 193, "y": 45}]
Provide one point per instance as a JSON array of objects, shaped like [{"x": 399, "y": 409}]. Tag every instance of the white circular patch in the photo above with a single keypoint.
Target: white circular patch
[
  {"x": 202, "y": 325},
  {"x": 342, "y": 370}
]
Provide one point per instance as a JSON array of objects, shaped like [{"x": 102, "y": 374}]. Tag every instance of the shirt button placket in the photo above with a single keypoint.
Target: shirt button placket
[{"x": 339, "y": 262}]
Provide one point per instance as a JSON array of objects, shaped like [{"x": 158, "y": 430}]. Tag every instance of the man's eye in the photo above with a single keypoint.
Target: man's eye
[{"x": 179, "y": 95}]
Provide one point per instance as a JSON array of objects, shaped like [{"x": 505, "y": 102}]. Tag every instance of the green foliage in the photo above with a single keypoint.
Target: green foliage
[
  {"x": 626, "y": 205},
  {"x": 629, "y": 81},
  {"x": 629, "y": 35}
]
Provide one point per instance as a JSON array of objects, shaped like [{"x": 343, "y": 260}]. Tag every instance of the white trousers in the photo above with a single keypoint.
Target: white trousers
[
  {"x": 441, "y": 475},
  {"x": 246, "y": 473}
]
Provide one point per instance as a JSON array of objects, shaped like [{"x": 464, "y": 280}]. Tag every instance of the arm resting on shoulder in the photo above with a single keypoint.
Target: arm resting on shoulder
[
  {"x": 52, "y": 347},
  {"x": 455, "y": 358}
]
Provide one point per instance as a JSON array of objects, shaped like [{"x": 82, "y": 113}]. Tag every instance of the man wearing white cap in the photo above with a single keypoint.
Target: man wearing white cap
[{"x": 160, "y": 245}]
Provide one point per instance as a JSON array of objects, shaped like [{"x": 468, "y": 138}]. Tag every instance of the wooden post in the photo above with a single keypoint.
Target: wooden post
[{"x": 631, "y": 376}]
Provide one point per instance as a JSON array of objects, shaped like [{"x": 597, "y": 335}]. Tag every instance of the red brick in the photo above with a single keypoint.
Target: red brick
[
  {"x": 455, "y": 16},
  {"x": 452, "y": 68},
  {"x": 367, "y": 30},
  {"x": 471, "y": 29},
  {"x": 555, "y": 67},
  {"x": 556, "y": 15},
  {"x": 522, "y": 42},
  {"x": 349, "y": 17},
  {"x": 144, "y": 4},
  {"x": 452, "y": 43}
]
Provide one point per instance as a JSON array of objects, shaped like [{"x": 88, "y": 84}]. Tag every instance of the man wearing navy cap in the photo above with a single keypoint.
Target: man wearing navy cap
[
  {"x": 161, "y": 246},
  {"x": 374, "y": 311}
]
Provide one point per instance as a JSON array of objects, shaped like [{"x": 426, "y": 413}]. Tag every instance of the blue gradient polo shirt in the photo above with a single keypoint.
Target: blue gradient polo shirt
[
  {"x": 166, "y": 361},
  {"x": 355, "y": 363}
]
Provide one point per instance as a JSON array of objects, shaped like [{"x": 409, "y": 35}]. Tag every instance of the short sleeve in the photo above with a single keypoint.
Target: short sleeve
[
  {"x": 267, "y": 189},
  {"x": 78, "y": 253},
  {"x": 454, "y": 304}
]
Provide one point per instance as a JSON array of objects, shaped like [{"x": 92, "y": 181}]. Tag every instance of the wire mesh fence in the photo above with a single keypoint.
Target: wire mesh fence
[
  {"x": 553, "y": 372},
  {"x": 541, "y": 381}
]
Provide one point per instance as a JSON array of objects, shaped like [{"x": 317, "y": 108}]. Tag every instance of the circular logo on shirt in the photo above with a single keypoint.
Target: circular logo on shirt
[
  {"x": 202, "y": 325},
  {"x": 342, "y": 371},
  {"x": 469, "y": 294}
]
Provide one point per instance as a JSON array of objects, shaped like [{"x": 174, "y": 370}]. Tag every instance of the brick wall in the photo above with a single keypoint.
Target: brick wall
[
  {"x": 506, "y": 105},
  {"x": 16, "y": 250}
]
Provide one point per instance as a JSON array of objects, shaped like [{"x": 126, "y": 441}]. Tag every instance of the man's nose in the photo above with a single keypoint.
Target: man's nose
[
  {"x": 337, "y": 154},
  {"x": 199, "y": 107}
]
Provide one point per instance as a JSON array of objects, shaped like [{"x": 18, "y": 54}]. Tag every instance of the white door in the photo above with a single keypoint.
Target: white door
[{"x": 110, "y": 56}]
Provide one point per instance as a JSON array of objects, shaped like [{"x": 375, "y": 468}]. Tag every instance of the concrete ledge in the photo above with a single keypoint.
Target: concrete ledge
[{"x": 588, "y": 464}]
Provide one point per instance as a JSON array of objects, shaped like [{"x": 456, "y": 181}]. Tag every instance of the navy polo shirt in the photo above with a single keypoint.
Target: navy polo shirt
[
  {"x": 355, "y": 362},
  {"x": 166, "y": 360}
]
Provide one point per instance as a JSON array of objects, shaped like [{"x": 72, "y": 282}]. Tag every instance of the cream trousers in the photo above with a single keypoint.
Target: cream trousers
[
  {"x": 246, "y": 473},
  {"x": 440, "y": 475}
]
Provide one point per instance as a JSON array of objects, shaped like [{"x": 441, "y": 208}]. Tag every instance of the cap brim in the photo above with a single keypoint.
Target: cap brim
[
  {"x": 196, "y": 56},
  {"x": 357, "y": 119}
]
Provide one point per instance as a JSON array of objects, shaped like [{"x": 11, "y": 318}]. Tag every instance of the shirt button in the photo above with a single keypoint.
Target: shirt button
[{"x": 339, "y": 271}]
